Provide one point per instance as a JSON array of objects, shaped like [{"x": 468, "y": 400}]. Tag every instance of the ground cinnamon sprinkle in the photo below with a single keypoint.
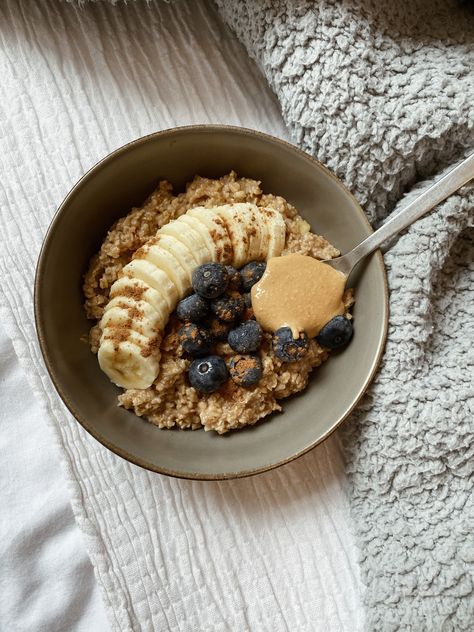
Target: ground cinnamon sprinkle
[
  {"x": 152, "y": 346},
  {"x": 244, "y": 364},
  {"x": 171, "y": 340},
  {"x": 134, "y": 292},
  {"x": 119, "y": 333},
  {"x": 134, "y": 312},
  {"x": 140, "y": 253}
]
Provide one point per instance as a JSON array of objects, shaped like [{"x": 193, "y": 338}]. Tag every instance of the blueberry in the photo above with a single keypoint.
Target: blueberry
[
  {"x": 208, "y": 374},
  {"x": 245, "y": 370},
  {"x": 251, "y": 273},
  {"x": 210, "y": 280},
  {"x": 195, "y": 340},
  {"x": 287, "y": 348},
  {"x": 235, "y": 280},
  {"x": 193, "y": 308},
  {"x": 246, "y": 338},
  {"x": 336, "y": 333},
  {"x": 219, "y": 330},
  {"x": 228, "y": 308}
]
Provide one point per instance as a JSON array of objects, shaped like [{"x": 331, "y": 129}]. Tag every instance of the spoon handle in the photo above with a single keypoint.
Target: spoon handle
[{"x": 437, "y": 192}]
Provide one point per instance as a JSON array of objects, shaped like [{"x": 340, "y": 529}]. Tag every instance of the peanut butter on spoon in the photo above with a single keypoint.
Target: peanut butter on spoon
[{"x": 299, "y": 292}]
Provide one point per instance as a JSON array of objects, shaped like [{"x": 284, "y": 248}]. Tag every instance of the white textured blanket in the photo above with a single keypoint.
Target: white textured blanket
[{"x": 383, "y": 93}]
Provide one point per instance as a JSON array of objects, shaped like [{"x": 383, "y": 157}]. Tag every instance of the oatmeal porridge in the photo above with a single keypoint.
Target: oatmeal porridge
[{"x": 202, "y": 360}]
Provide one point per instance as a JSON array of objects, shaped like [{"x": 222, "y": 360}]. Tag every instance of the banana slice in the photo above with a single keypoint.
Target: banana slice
[
  {"x": 237, "y": 220},
  {"x": 177, "y": 249},
  {"x": 130, "y": 363},
  {"x": 161, "y": 272},
  {"x": 138, "y": 290},
  {"x": 201, "y": 230},
  {"x": 163, "y": 260},
  {"x": 264, "y": 235},
  {"x": 139, "y": 316},
  {"x": 276, "y": 230},
  {"x": 244, "y": 230},
  {"x": 216, "y": 228},
  {"x": 189, "y": 237},
  {"x": 257, "y": 232},
  {"x": 155, "y": 278}
]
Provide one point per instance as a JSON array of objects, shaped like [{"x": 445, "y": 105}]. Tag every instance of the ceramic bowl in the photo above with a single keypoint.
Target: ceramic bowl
[{"x": 107, "y": 192}]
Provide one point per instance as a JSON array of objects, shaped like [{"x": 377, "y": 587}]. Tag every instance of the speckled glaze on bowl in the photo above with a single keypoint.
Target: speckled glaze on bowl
[{"x": 125, "y": 178}]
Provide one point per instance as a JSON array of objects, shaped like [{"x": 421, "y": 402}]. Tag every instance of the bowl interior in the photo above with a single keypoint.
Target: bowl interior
[{"x": 107, "y": 192}]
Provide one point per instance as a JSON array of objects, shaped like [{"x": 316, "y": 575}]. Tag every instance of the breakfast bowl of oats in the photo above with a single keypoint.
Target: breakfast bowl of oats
[{"x": 185, "y": 312}]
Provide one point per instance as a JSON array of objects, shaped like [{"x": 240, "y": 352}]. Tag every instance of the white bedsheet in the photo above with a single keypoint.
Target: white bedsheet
[{"x": 46, "y": 579}]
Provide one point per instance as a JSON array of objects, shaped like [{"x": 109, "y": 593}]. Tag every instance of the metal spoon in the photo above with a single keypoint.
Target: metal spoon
[{"x": 437, "y": 192}]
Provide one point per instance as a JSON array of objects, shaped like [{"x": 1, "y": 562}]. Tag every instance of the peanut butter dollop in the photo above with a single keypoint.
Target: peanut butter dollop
[{"x": 299, "y": 292}]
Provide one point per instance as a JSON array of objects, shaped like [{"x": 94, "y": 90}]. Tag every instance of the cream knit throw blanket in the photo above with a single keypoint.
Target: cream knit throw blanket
[{"x": 383, "y": 93}]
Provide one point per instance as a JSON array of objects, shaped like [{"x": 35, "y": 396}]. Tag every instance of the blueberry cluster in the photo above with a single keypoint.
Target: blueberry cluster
[
  {"x": 220, "y": 310},
  {"x": 334, "y": 335}
]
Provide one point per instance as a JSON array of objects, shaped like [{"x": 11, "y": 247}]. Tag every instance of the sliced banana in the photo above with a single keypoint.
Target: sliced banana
[
  {"x": 139, "y": 316},
  {"x": 137, "y": 290},
  {"x": 155, "y": 278},
  {"x": 169, "y": 263},
  {"x": 190, "y": 238},
  {"x": 236, "y": 224},
  {"x": 127, "y": 362},
  {"x": 277, "y": 232},
  {"x": 201, "y": 233},
  {"x": 264, "y": 235},
  {"x": 161, "y": 273},
  {"x": 216, "y": 227},
  {"x": 257, "y": 232},
  {"x": 177, "y": 249},
  {"x": 238, "y": 221}
]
